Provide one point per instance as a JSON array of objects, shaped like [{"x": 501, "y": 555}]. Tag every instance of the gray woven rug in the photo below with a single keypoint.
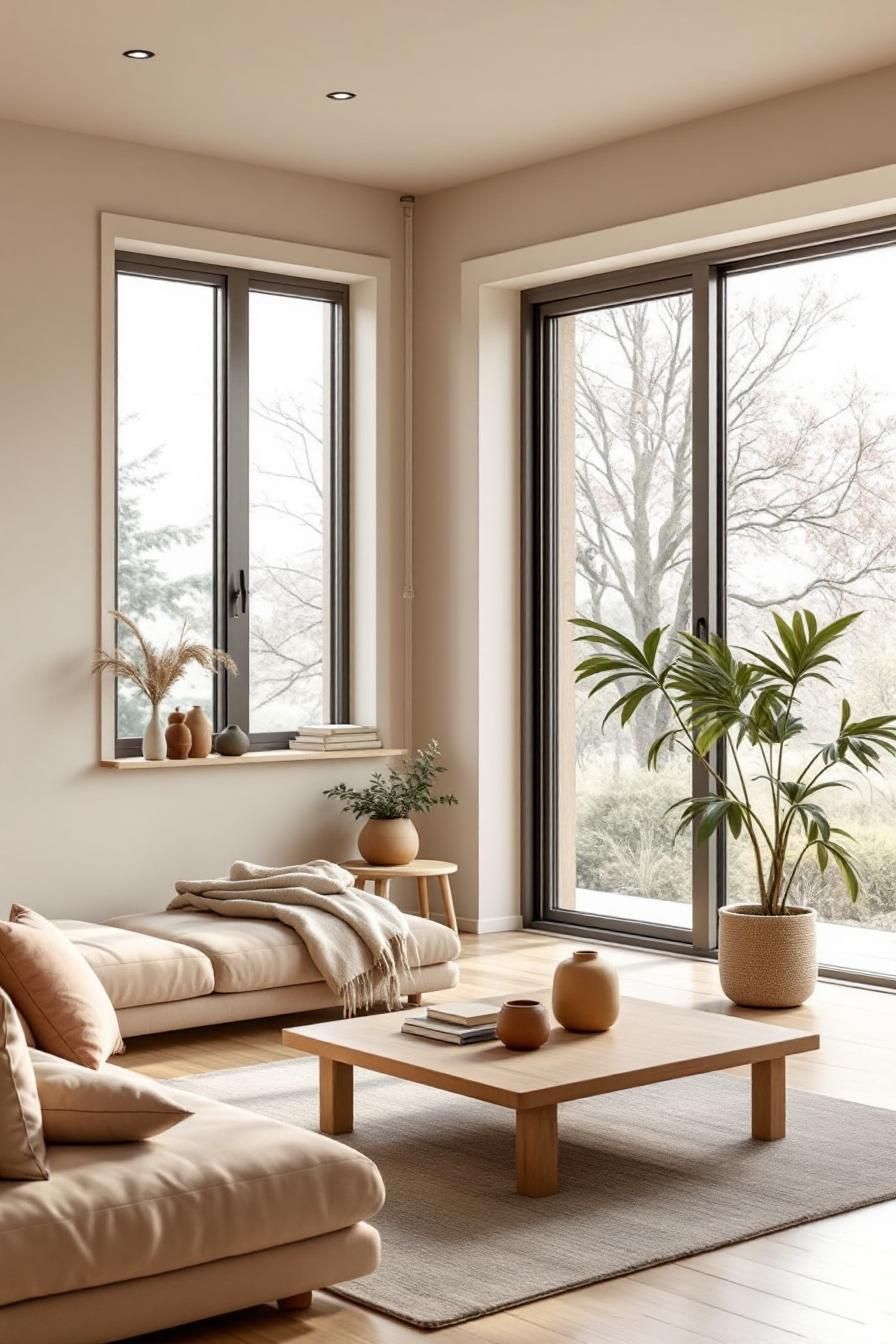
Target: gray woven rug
[{"x": 647, "y": 1176}]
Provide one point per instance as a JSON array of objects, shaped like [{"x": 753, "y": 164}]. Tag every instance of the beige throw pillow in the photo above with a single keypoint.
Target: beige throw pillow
[
  {"x": 23, "y": 1153},
  {"x": 56, "y": 990},
  {"x": 109, "y": 1106}
]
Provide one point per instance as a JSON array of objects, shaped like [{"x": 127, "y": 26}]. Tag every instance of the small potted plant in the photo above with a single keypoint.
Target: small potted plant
[
  {"x": 389, "y": 838},
  {"x": 155, "y": 672},
  {"x": 718, "y": 695}
]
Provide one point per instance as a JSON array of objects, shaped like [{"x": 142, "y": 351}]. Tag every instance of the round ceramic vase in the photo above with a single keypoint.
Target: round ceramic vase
[
  {"x": 200, "y": 726},
  {"x": 586, "y": 992},
  {"x": 388, "y": 843},
  {"x": 232, "y": 741},
  {"x": 178, "y": 736},
  {"x": 154, "y": 745},
  {"x": 767, "y": 961},
  {"x": 523, "y": 1024}
]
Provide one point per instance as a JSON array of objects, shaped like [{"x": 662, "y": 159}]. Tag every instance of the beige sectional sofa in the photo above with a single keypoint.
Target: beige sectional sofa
[
  {"x": 224, "y": 1211},
  {"x": 188, "y": 968}
]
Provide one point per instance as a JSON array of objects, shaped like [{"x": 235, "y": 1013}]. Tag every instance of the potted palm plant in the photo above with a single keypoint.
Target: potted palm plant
[
  {"x": 389, "y": 838},
  {"x": 739, "y": 699}
]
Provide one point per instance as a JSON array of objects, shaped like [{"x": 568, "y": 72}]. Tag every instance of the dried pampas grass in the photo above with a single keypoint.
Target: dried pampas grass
[{"x": 161, "y": 668}]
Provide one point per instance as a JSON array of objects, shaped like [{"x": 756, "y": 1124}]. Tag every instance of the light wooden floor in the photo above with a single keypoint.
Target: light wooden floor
[{"x": 831, "y": 1282}]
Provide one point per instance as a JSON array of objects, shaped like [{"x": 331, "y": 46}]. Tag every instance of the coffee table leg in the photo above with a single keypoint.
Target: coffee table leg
[
  {"x": 769, "y": 1099},
  {"x": 336, "y": 1097},
  {"x": 536, "y": 1152}
]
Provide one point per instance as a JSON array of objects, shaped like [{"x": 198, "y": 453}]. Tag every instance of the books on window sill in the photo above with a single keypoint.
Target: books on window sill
[
  {"x": 335, "y": 737},
  {"x": 455, "y": 1023}
]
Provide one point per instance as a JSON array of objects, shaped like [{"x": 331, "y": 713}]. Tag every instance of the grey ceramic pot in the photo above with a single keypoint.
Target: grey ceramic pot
[{"x": 232, "y": 741}]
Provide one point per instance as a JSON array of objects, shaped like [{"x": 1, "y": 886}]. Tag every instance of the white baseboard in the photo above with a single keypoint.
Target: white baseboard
[{"x": 498, "y": 924}]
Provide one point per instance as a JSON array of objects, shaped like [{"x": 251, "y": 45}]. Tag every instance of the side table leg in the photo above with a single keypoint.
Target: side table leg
[
  {"x": 423, "y": 897},
  {"x": 769, "y": 1099},
  {"x": 336, "y": 1097},
  {"x": 537, "y": 1152},
  {"x": 448, "y": 903},
  {"x": 381, "y": 887}
]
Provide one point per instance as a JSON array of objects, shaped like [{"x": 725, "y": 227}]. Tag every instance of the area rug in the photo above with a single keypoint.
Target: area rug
[{"x": 648, "y": 1176}]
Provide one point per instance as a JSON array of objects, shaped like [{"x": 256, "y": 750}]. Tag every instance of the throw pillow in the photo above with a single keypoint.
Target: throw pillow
[
  {"x": 23, "y": 1153},
  {"x": 56, "y": 990},
  {"x": 109, "y": 1106}
]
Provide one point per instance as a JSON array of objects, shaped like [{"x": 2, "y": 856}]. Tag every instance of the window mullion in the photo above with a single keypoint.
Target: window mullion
[{"x": 236, "y": 575}]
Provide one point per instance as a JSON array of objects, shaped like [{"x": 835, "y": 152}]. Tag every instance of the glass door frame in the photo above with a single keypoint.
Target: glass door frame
[{"x": 702, "y": 277}]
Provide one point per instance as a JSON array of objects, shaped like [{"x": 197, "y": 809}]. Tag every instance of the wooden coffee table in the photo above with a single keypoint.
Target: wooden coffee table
[{"x": 650, "y": 1043}]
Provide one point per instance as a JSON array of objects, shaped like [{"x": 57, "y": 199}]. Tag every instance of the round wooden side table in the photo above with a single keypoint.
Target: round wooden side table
[{"x": 421, "y": 870}]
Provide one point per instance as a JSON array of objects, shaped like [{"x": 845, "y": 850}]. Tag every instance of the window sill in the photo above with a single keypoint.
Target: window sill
[{"x": 252, "y": 758}]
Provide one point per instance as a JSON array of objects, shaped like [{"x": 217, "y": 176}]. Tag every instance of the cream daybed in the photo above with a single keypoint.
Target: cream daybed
[{"x": 188, "y": 968}]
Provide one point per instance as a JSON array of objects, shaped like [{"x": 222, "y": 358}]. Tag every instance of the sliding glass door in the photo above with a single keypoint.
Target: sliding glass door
[{"x": 707, "y": 443}]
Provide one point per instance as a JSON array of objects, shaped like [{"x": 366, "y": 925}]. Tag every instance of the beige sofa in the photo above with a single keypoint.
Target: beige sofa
[
  {"x": 226, "y": 1210},
  {"x": 188, "y": 968}
]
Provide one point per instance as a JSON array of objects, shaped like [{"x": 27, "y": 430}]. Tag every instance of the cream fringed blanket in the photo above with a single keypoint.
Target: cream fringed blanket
[{"x": 359, "y": 943}]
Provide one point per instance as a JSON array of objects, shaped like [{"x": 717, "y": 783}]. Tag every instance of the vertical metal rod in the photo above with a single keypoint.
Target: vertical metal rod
[
  {"x": 407, "y": 205},
  {"x": 704, "y": 525}
]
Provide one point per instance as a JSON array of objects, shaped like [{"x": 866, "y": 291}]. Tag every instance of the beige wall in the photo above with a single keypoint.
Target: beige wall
[
  {"x": 77, "y": 840},
  {"x": 823, "y": 133}
]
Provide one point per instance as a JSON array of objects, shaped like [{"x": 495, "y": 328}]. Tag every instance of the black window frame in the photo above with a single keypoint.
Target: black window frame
[
  {"x": 702, "y": 276},
  {"x": 232, "y": 598}
]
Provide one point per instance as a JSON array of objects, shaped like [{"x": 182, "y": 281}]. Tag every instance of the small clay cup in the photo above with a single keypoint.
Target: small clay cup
[{"x": 523, "y": 1024}]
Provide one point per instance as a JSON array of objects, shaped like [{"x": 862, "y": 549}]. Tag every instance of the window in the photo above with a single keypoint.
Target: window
[
  {"x": 708, "y": 441},
  {"x": 232, "y": 488}
]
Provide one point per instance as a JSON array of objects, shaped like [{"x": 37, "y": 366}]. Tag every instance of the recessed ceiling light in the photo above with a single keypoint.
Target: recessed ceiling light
[
  {"x": 138, "y": 54},
  {"x": 340, "y": 95}
]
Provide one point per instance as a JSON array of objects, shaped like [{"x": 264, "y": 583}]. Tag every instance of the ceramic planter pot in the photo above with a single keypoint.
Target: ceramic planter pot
[
  {"x": 388, "y": 844},
  {"x": 523, "y": 1024},
  {"x": 767, "y": 961},
  {"x": 586, "y": 992}
]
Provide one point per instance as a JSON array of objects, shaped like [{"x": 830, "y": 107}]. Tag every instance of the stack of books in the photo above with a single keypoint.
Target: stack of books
[
  {"x": 335, "y": 737},
  {"x": 455, "y": 1023}
]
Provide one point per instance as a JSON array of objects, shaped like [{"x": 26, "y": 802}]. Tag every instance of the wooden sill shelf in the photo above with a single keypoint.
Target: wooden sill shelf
[{"x": 254, "y": 758}]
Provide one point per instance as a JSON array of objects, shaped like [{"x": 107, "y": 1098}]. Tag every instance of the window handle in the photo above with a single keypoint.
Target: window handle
[
  {"x": 701, "y": 630},
  {"x": 239, "y": 594}
]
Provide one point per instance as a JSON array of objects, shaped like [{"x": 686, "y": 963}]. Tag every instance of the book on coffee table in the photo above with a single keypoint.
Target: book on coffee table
[
  {"x": 453, "y": 1033},
  {"x": 472, "y": 1014}
]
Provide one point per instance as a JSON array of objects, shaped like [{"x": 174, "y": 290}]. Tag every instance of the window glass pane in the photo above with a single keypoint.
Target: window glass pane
[
  {"x": 812, "y": 524},
  {"x": 289, "y": 432},
  {"x": 624, "y": 538},
  {"x": 166, "y": 474}
]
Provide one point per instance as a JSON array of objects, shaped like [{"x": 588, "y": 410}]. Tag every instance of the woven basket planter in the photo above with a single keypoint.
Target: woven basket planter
[{"x": 767, "y": 961}]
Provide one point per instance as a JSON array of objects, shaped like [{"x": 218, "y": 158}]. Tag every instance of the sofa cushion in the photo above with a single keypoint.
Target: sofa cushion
[
  {"x": 23, "y": 1153},
  {"x": 226, "y": 1182},
  {"x": 108, "y": 1105},
  {"x": 56, "y": 990},
  {"x": 251, "y": 954},
  {"x": 136, "y": 969}
]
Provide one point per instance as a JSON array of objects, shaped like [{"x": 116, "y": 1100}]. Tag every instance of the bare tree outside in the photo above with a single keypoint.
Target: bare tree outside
[{"x": 811, "y": 475}]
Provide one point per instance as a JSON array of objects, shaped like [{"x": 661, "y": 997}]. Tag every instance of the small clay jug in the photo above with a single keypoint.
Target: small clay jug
[
  {"x": 200, "y": 726},
  {"x": 178, "y": 736},
  {"x": 523, "y": 1024},
  {"x": 232, "y": 742},
  {"x": 586, "y": 992}
]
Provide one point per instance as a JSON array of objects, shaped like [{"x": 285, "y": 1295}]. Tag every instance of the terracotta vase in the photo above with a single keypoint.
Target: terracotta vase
[
  {"x": 767, "y": 961},
  {"x": 232, "y": 741},
  {"x": 200, "y": 726},
  {"x": 523, "y": 1024},
  {"x": 178, "y": 736},
  {"x": 586, "y": 992},
  {"x": 388, "y": 843},
  {"x": 154, "y": 737}
]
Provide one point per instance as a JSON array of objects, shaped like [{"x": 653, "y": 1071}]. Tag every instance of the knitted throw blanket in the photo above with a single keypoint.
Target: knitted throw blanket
[{"x": 360, "y": 944}]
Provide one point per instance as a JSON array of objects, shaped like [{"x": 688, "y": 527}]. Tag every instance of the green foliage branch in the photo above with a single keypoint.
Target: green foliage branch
[
  {"x": 398, "y": 793},
  {"x": 716, "y": 698}
]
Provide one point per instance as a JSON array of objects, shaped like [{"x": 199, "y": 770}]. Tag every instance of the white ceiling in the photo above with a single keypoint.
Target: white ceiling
[{"x": 448, "y": 90}]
